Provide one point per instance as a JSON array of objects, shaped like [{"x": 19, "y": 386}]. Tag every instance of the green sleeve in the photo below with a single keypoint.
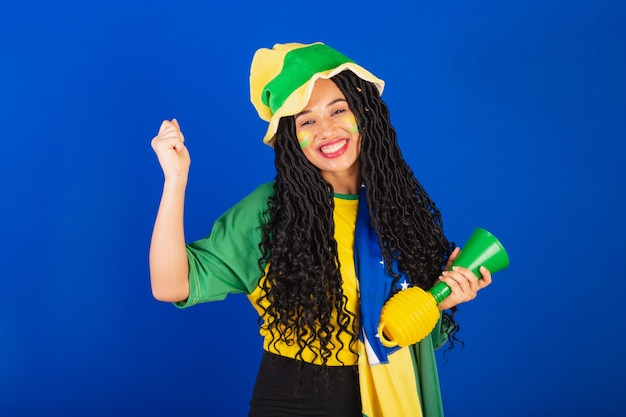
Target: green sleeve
[
  {"x": 427, "y": 377},
  {"x": 441, "y": 332},
  {"x": 226, "y": 261},
  {"x": 425, "y": 365}
]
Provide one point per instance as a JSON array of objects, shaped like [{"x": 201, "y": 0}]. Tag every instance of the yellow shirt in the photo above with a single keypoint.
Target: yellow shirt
[{"x": 345, "y": 220}]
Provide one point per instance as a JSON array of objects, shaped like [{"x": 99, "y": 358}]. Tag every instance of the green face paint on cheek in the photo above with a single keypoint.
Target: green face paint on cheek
[{"x": 305, "y": 139}]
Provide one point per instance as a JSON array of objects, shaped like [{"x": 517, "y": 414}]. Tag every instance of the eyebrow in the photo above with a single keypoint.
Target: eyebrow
[{"x": 335, "y": 101}]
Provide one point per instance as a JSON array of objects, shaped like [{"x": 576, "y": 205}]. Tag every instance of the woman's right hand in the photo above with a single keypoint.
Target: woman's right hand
[
  {"x": 169, "y": 146},
  {"x": 169, "y": 268}
]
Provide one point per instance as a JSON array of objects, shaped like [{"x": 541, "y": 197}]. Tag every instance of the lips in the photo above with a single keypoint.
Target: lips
[{"x": 334, "y": 149}]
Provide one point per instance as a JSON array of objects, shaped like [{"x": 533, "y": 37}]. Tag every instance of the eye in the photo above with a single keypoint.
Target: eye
[
  {"x": 307, "y": 122},
  {"x": 338, "y": 111}
]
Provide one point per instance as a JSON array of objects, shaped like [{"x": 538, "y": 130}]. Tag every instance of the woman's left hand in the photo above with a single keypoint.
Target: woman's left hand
[{"x": 464, "y": 285}]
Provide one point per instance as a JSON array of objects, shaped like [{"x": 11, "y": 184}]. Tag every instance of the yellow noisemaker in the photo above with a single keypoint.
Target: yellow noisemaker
[{"x": 410, "y": 315}]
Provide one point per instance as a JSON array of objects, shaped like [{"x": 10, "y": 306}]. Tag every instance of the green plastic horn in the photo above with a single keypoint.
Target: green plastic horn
[{"x": 410, "y": 315}]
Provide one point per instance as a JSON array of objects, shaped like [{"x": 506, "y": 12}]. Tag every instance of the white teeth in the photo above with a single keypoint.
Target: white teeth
[{"x": 333, "y": 148}]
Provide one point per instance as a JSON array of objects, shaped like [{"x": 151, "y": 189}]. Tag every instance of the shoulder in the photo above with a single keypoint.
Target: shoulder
[
  {"x": 262, "y": 191},
  {"x": 258, "y": 197},
  {"x": 253, "y": 205}
]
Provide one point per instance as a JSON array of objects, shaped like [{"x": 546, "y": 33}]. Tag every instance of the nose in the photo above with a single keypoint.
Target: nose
[{"x": 326, "y": 128}]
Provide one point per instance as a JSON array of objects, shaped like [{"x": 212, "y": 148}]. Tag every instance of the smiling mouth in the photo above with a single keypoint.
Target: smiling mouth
[{"x": 332, "y": 148}]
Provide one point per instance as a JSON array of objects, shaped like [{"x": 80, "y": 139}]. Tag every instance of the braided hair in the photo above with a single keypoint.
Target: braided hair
[{"x": 301, "y": 289}]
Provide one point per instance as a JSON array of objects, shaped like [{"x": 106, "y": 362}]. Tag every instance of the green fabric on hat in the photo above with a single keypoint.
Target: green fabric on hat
[{"x": 302, "y": 64}]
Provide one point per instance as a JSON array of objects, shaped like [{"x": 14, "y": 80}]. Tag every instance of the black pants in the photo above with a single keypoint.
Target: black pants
[{"x": 288, "y": 388}]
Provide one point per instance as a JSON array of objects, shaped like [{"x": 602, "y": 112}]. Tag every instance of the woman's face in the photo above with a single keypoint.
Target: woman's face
[{"x": 329, "y": 137}]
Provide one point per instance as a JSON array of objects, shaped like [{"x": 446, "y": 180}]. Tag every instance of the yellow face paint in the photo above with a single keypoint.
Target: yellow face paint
[
  {"x": 304, "y": 137},
  {"x": 351, "y": 121}
]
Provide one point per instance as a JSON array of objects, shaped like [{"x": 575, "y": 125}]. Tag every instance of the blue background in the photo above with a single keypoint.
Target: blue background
[{"x": 510, "y": 113}]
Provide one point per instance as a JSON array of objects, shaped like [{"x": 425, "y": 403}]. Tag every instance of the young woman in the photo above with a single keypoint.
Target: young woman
[{"x": 319, "y": 250}]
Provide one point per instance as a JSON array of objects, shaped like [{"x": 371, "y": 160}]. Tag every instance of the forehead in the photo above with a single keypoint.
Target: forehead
[{"x": 324, "y": 90}]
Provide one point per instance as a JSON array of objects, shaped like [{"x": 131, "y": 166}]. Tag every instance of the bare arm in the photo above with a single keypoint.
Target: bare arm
[{"x": 168, "y": 259}]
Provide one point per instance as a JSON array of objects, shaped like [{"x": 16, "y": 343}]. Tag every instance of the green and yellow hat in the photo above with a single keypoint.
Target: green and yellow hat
[{"x": 281, "y": 78}]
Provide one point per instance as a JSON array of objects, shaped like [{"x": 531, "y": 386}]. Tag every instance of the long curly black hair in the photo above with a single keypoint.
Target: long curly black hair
[{"x": 302, "y": 286}]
